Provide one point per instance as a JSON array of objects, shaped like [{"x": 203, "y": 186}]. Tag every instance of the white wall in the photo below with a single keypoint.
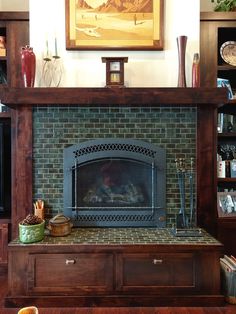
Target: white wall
[
  {"x": 14, "y": 5},
  {"x": 85, "y": 69},
  {"x": 206, "y": 5}
]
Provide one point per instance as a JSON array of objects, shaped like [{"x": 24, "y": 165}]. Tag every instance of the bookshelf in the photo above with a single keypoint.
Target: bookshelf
[{"x": 216, "y": 29}]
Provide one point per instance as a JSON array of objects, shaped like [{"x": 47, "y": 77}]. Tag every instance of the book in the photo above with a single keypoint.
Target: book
[
  {"x": 224, "y": 265},
  {"x": 221, "y": 82},
  {"x": 230, "y": 262},
  {"x": 221, "y": 169},
  {"x": 3, "y": 52},
  {"x": 220, "y": 122},
  {"x": 233, "y": 258}
]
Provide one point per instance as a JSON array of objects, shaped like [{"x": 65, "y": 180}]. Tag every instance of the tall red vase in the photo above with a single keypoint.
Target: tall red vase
[
  {"x": 28, "y": 65},
  {"x": 181, "y": 44}
]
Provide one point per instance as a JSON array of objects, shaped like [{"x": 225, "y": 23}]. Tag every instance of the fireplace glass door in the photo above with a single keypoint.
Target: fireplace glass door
[{"x": 113, "y": 182}]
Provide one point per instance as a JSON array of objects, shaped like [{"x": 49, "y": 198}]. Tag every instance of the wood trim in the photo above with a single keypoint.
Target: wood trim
[
  {"x": 3, "y": 242},
  {"x": 147, "y": 97},
  {"x": 22, "y": 181},
  {"x": 206, "y": 169},
  {"x": 14, "y": 16},
  {"x": 217, "y": 16}
]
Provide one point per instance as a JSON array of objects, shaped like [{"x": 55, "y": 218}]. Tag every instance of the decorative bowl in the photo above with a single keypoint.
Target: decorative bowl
[{"x": 228, "y": 52}]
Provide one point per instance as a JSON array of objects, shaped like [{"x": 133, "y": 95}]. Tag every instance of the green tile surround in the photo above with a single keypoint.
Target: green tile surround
[
  {"x": 123, "y": 236},
  {"x": 54, "y": 128}
]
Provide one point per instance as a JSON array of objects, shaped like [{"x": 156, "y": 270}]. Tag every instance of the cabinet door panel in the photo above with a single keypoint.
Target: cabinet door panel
[
  {"x": 55, "y": 273},
  {"x": 154, "y": 271}
]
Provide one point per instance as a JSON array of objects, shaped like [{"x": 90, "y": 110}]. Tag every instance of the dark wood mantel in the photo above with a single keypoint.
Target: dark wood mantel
[
  {"x": 21, "y": 100},
  {"x": 15, "y": 97}
]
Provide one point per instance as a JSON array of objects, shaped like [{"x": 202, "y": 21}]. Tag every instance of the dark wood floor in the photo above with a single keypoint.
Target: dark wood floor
[{"x": 228, "y": 309}]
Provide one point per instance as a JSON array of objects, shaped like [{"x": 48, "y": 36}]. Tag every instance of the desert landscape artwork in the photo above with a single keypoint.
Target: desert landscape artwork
[{"x": 114, "y": 24}]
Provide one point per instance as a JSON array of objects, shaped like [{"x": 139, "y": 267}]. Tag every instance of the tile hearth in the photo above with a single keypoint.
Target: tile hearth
[{"x": 123, "y": 236}]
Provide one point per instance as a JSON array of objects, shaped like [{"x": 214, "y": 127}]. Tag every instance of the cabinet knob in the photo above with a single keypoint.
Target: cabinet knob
[
  {"x": 157, "y": 261},
  {"x": 70, "y": 261}
]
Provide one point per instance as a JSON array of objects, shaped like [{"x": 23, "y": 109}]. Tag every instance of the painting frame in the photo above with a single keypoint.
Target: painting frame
[
  {"x": 152, "y": 21},
  {"x": 223, "y": 202}
]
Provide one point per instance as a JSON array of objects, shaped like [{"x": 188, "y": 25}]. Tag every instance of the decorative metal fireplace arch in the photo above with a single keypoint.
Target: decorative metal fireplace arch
[{"x": 115, "y": 183}]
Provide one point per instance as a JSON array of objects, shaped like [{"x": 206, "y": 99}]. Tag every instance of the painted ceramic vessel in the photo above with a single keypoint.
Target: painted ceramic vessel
[
  {"x": 31, "y": 233},
  {"x": 196, "y": 71},
  {"x": 28, "y": 65}
]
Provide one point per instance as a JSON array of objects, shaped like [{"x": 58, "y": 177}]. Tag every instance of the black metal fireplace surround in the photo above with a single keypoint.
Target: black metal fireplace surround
[{"x": 115, "y": 183}]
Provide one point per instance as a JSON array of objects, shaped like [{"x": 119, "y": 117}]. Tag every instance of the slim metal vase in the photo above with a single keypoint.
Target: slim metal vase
[{"x": 181, "y": 44}]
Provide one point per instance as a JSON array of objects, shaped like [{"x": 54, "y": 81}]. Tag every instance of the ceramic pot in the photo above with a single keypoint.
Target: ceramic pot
[
  {"x": 28, "y": 65},
  {"x": 59, "y": 226},
  {"x": 28, "y": 310},
  {"x": 31, "y": 233}
]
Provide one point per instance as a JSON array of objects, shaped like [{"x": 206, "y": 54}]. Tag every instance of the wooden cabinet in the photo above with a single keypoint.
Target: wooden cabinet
[
  {"x": 216, "y": 29},
  {"x": 156, "y": 272},
  {"x": 71, "y": 272}
]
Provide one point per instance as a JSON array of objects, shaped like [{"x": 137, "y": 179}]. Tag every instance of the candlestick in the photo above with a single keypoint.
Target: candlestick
[
  {"x": 56, "y": 52},
  {"x": 47, "y": 57}
]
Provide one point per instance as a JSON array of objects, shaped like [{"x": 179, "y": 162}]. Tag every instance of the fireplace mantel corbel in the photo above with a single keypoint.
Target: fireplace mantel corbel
[{"x": 22, "y": 100}]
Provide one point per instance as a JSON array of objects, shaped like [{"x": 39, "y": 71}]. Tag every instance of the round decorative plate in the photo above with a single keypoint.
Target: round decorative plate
[{"x": 228, "y": 52}]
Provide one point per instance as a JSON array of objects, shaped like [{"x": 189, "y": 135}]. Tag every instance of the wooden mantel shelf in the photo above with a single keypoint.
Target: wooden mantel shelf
[{"x": 15, "y": 97}]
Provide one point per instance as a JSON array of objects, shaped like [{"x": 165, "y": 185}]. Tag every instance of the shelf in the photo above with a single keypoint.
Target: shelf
[
  {"x": 226, "y": 180},
  {"x": 226, "y": 221},
  {"x": 5, "y": 220},
  {"x": 5, "y": 114},
  {"x": 226, "y": 67},
  {"x": 218, "y": 16},
  {"x": 226, "y": 135},
  {"x": 149, "y": 97},
  {"x": 228, "y": 107}
]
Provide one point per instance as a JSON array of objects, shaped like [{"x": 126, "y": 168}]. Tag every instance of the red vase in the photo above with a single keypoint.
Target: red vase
[
  {"x": 181, "y": 44},
  {"x": 28, "y": 64}
]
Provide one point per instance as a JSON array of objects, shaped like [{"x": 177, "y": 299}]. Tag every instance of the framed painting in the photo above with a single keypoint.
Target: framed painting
[
  {"x": 114, "y": 25},
  {"x": 226, "y": 204}
]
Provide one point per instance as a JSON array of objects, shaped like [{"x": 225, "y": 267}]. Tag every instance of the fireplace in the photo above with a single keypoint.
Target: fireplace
[{"x": 115, "y": 183}]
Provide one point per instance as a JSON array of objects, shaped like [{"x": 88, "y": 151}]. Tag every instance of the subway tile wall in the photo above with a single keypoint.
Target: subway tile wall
[{"x": 54, "y": 128}]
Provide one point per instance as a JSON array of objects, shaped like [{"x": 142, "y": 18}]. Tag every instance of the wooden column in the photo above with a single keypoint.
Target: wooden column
[
  {"x": 21, "y": 165},
  {"x": 206, "y": 168}
]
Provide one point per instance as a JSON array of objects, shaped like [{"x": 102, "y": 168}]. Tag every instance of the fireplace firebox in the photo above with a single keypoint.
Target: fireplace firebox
[{"x": 115, "y": 183}]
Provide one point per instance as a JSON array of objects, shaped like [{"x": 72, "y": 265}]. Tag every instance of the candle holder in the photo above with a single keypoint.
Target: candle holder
[
  {"x": 186, "y": 221},
  {"x": 56, "y": 71},
  {"x": 52, "y": 68}
]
